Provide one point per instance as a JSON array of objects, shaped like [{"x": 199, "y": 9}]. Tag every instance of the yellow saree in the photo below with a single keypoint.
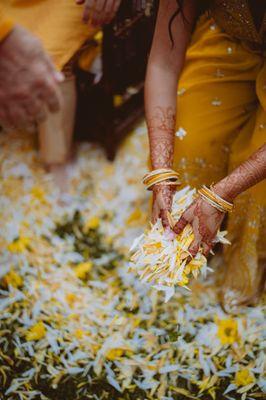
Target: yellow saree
[
  {"x": 221, "y": 120},
  {"x": 58, "y": 24}
]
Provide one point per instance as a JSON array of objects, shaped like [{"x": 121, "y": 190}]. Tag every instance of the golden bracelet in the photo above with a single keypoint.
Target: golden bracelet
[
  {"x": 215, "y": 200},
  {"x": 161, "y": 175},
  {"x": 173, "y": 182},
  {"x": 157, "y": 172}
]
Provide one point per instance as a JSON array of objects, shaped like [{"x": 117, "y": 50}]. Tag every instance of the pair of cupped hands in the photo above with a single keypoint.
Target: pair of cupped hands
[
  {"x": 203, "y": 217},
  {"x": 29, "y": 81}
]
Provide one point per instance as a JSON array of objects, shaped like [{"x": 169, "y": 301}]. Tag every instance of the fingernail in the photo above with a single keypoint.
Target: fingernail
[{"x": 59, "y": 76}]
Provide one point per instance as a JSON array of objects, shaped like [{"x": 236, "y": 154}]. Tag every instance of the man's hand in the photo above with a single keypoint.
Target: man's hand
[
  {"x": 28, "y": 81},
  {"x": 99, "y": 12}
]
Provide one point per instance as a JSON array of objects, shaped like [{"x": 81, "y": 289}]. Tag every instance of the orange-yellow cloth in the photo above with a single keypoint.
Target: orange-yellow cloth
[
  {"x": 57, "y": 23},
  {"x": 6, "y": 24},
  {"x": 221, "y": 119}
]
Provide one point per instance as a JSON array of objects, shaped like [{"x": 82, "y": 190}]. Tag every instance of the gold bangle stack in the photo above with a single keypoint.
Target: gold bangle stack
[
  {"x": 215, "y": 200},
  {"x": 166, "y": 176}
]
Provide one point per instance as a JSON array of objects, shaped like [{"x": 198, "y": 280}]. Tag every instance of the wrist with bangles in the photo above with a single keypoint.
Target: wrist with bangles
[
  {"x": 215, "y": 200},
  {"x": 161, "y": 176},
  {"x": 167, "y": 176}
]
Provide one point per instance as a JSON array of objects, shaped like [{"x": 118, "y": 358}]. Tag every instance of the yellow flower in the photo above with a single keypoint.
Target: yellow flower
[
  {"x": 184, "y": 281},
  {"x": 38, "y": 194},
  {"x": 135, "y": 216},
  {"x": 92, "y": 223},
  {"x": 36, "y": 332},
  {"x": 82, "y": 269},
  {"x": 13, "y": 279},
  {"x": 19, "y": 245},
  {"x": 71, "y": 298},
  {"x": 244, "y": 377},
  {"x": 227, "y": 331},
  {"x": 79, "y": 333},
  {"x": 114, "y": 354}
]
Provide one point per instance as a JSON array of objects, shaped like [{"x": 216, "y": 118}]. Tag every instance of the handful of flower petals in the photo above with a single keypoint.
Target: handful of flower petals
[{"x": 160, "y": 256}]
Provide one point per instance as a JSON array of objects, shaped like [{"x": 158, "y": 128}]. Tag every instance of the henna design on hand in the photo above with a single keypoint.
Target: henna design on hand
[
  {"x": 161, "y": 128},
  {"x": 163, "y": 120},
  {"x": 248, "y": 174},
  {"x": 162, "y": 202},
  {"x": 205, "y": 221}
]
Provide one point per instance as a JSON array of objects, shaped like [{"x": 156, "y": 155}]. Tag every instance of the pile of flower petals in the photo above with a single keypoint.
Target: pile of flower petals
[{"x": 67, "y": 319}]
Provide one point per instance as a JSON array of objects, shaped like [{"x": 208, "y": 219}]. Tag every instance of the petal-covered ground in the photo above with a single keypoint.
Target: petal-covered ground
[{"x": 75, "y": 323}]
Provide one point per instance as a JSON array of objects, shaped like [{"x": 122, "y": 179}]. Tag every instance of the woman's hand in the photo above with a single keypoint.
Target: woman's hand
[
  {"x": 204, "y": 218},
  {"x": 99, "y": 12},
  {"x": 162, "y": 203},
  {"x": 205, "y": 221}
]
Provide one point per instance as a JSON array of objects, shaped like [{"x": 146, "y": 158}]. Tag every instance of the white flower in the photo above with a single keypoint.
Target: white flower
[{"x": 181, "y": 133}]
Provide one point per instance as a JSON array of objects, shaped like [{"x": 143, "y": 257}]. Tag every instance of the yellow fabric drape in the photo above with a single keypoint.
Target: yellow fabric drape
[
  {"x": 221, "y": 114},
  {"x": 6, "y": 24},
  {"x": 58, "y": 24}
]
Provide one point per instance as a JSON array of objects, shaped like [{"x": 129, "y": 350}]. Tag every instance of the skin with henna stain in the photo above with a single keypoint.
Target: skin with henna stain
[{"x": 204, "y": 218}]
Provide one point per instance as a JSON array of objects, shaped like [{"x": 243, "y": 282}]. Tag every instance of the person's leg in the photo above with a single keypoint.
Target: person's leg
[
  {"x": 56, "y": 132},
  {"x": 217, "y": 101},
  {"x": 59, "y": 26}
]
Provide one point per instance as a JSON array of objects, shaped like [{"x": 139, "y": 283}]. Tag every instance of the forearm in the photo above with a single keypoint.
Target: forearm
[
  {"x": 164, "y": 68},
  {"x": 160, "y": 99},
  {"x": 246, "y": 175}
]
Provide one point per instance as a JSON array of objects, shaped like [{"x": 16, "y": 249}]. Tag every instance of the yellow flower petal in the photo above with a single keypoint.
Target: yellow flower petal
[
  {"x": 13, "y": 279},
  {"x": 79, "y": 333},
  {"x": 244, "y": 377},
  {"x": 36, "y": 332},
  {"x": 19, "y": 245},
  {"x": 92, "y": 223},
  {"x": 114, "y": 354},
  {"x": 82, "y": 269},
  {"x": 135, "y": 216},
  {"x": 227, "y": 331}
]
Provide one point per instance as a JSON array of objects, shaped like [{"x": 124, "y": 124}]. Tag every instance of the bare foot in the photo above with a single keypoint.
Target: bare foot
[{"x": 61, "y": 176}]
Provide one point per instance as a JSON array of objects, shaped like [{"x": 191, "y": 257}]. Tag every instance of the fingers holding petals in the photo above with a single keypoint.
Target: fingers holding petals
[{"x": 180, "y": 225}]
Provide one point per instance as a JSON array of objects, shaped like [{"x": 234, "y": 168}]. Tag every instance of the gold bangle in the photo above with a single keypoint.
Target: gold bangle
[
  {"x": 162, "y": 176},
  {"x": 211, "y": 202},
  {"x": 224, "y": 207},
  {"x": 157, "y": 172},
  {"x": 215, "y": 200},
  {"x": 173, "y": 182},
  {"x": 218, "y": 199}
]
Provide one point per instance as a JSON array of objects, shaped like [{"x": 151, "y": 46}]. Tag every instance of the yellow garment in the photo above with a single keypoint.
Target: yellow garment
[
  {"x": 6, "y": 25},
  {"x": 221, "y": 109},
  {"x": 57, "y": 23}
]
